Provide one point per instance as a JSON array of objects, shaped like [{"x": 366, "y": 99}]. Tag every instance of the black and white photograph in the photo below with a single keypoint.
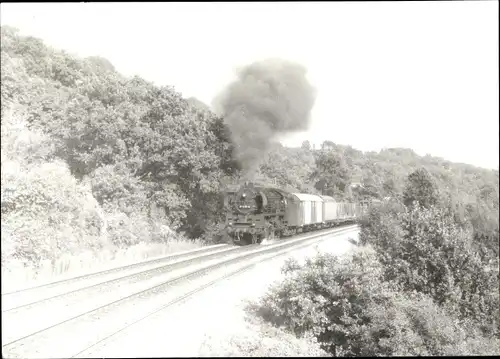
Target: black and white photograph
[{"x": 250, "y": 179}]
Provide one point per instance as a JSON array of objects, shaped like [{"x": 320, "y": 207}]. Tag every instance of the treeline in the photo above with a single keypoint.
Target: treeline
[
  {"x": 136, "y": 143},
  {"x": 470, "y": 193},
  {"x": 145, "y": 158},
  {"x": 417, "y": 285}
]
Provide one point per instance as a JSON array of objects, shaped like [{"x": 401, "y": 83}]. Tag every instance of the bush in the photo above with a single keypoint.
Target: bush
[
  {"x": 45, "y": 211},
  {"x": 424, "y": 250},
  {"x": 350, "y": 311},
  {"x": 327, "y": 298}
]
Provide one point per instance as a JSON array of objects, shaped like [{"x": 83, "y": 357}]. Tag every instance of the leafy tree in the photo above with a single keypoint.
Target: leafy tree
[
  {"x": 421, "y": 188},
  {"x": 390, "y": 188},
  {"x": 423, "y": 250},
  {"x": 291, "y": 167},
  {"x": 331, "y": 174}
]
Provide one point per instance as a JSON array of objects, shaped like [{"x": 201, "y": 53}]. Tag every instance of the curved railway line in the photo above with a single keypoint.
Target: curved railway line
[{"x": 66, "y": 318}]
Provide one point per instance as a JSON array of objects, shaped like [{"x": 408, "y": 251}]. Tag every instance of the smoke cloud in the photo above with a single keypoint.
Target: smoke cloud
[{"x": 269, "y": 98}]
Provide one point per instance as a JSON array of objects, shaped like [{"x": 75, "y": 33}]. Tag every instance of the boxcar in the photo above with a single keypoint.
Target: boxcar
[
  {"x": 330, "y": 206},
  {"x": 304, "y": 210}
]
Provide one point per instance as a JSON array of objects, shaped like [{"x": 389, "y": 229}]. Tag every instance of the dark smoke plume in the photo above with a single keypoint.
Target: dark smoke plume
[{"x": 269, "y": 98}]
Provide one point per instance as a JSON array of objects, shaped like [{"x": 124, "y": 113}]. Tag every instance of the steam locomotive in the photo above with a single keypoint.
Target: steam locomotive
[{"x": 256, "y": 212}]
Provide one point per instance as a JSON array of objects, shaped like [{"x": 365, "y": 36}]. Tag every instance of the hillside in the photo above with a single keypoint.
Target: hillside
[{"x": 91, "y": 157}]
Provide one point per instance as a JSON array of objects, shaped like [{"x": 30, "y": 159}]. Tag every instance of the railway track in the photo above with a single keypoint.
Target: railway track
[
  {"x": 19, "y": 297},
  {"x": 80, "y": 313}
]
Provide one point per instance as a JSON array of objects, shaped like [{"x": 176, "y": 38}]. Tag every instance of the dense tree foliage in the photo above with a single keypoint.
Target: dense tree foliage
[
  {"x": 352, "y": 311},
  {"x": 290, "y": 167},
  {"x": 138, "y": 146},
  {"x": 420, "y": 189},
  {"x": 133, "y": 139}
]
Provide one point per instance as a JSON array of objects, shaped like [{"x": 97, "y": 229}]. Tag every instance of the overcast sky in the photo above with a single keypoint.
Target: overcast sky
[{"x": 422, "y": 75}]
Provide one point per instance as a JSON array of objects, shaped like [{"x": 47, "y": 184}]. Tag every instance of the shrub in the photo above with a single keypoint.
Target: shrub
[
  {"x": 350, "y": 311},
  {"x": 424, "y": 250},
  {"x": 326, "y": 298},
  {"x": 45, "y": 211}
]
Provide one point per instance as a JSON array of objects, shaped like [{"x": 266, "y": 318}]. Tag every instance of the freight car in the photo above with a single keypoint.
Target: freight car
[{"x": 255, "y": 212}]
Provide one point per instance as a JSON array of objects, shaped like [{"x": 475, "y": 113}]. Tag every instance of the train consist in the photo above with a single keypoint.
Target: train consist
[{"x": 256, "y": 212}]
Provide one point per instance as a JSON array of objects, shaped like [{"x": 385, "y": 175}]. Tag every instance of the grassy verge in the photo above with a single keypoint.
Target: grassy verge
[{"x": 16, "y": 275}]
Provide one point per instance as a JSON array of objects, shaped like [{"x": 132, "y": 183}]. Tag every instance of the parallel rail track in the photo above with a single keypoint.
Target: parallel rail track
[
  {"x": 117, "y": 308},
  {"x": 19, "y": 297}
]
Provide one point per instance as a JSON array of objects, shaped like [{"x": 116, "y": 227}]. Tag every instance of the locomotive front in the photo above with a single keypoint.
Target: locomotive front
[{"x": 247, "y": 208}]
